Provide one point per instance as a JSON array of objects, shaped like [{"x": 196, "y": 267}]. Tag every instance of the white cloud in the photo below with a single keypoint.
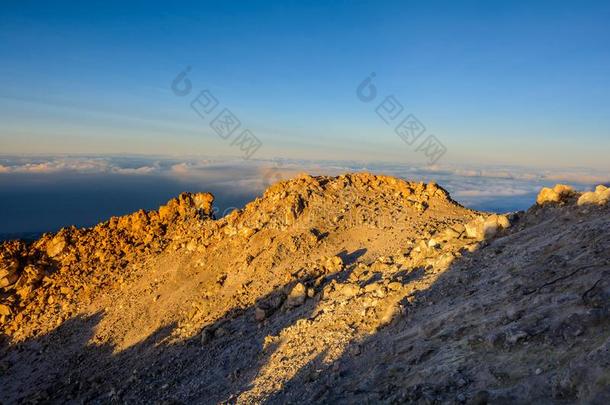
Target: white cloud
[
  {"x": 139, "y": 170},
  {"x": 54, "y": 165}
]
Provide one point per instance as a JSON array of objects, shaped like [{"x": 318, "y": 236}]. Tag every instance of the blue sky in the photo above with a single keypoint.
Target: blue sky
[{"x": 521, "y": 83}]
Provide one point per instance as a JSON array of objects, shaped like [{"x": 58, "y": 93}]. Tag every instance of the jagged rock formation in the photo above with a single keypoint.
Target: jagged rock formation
[{"x": 357, "y": 288}]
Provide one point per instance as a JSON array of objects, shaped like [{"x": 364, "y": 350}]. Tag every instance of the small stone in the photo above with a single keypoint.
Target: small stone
[
  {"x": 512, "y": 314},
  {"x": 449, "y": 234},
  {"x": 370, "y": 287},
  {"x": 191, "y": 246},
  {"x": 547, "y": 195},
  {"x": 56, "y": 246},
  {"x": 390, "y": 313},
  {"x": 349, "y": 290},
  {"x": 334, "y": 264},
  {"x": 4, "y": 282},
  {"x": 314, "y": 235},
  {"x": 480, "y": 398},
  {"x": 459, "y": 228},
  {"x": 588, "y": 198},
  {"x": 496, "y": 339},
  {"x": 5, "y": 310},
  {"x": 472, "y": 247},
  {"x": 206, "y": 336},
  {"x": 474, "y": 229},
  {"x": 432, "y": 243},
  {"x": 514, "y": 337},
  {"x": 419, "y": 206},
  {"x": 394, "y": 286},
  {"x": 355, "y": 350},
  {"x": 297, "y": 296},
  {"x": 220, "y": 332},
  {"x": 260, "y": 314}
]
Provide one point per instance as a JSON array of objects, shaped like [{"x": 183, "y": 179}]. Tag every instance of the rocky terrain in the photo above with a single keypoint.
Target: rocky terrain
[{"x": 349, "y": 289}]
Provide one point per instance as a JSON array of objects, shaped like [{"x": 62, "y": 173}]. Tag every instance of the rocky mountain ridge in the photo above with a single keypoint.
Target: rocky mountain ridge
[{"x": 356, "y": 288}]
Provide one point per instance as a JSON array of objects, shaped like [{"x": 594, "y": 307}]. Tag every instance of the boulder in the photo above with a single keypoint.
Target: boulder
[
  {"x": 450, "y": 233},
  {"x": 554, "y": 195},
  {"x": 432, "y": 243},
  {"x": 260, "y": 314},
  {"x": 5, "y": 310},
  {"x": 296, "y": 296},
  {"x": 8, "y": 273},
  {"x": 491, "y": 226},
  {"x": 600, "y": 196},
  {"x": 349, "y": 290},
  {"x": 547, "y": 195},
  {"x": 187, "y": 205},
  {"x": 481, "y": 229},
  {"x": 203, "y": 203},
  {"x": 334, "y": 264},
  {"x": 474, "y": 229},
  {"x": 8, "y": 280},
  {"x": 56, "y": 246},
  {"x": 389, "y": 313}
]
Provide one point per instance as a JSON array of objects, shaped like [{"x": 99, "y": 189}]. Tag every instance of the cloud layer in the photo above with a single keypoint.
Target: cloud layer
[{"x": 474, "y": 186}]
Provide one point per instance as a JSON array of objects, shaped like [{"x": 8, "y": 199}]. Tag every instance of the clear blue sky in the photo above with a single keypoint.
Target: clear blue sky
[{"x": 519, "y": 82}]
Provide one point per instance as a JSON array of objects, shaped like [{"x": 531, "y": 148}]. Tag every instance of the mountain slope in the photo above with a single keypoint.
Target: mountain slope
[{"x": 354, "y": 288}]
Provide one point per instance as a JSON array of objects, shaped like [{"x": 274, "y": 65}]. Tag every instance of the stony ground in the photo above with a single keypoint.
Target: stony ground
[{"x": 349, "y": 289}]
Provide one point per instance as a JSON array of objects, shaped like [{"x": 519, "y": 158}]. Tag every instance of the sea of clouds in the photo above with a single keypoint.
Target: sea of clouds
[{"x": 45, "y": 193}]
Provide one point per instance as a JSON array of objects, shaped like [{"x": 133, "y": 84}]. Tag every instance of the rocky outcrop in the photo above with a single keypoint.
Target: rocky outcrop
[
  {"x": 566, "y": 194},
  {"x": 600, "y": 196},
  {"x": 556, "y": 194},
  {"x": 70, "y": 266}
]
